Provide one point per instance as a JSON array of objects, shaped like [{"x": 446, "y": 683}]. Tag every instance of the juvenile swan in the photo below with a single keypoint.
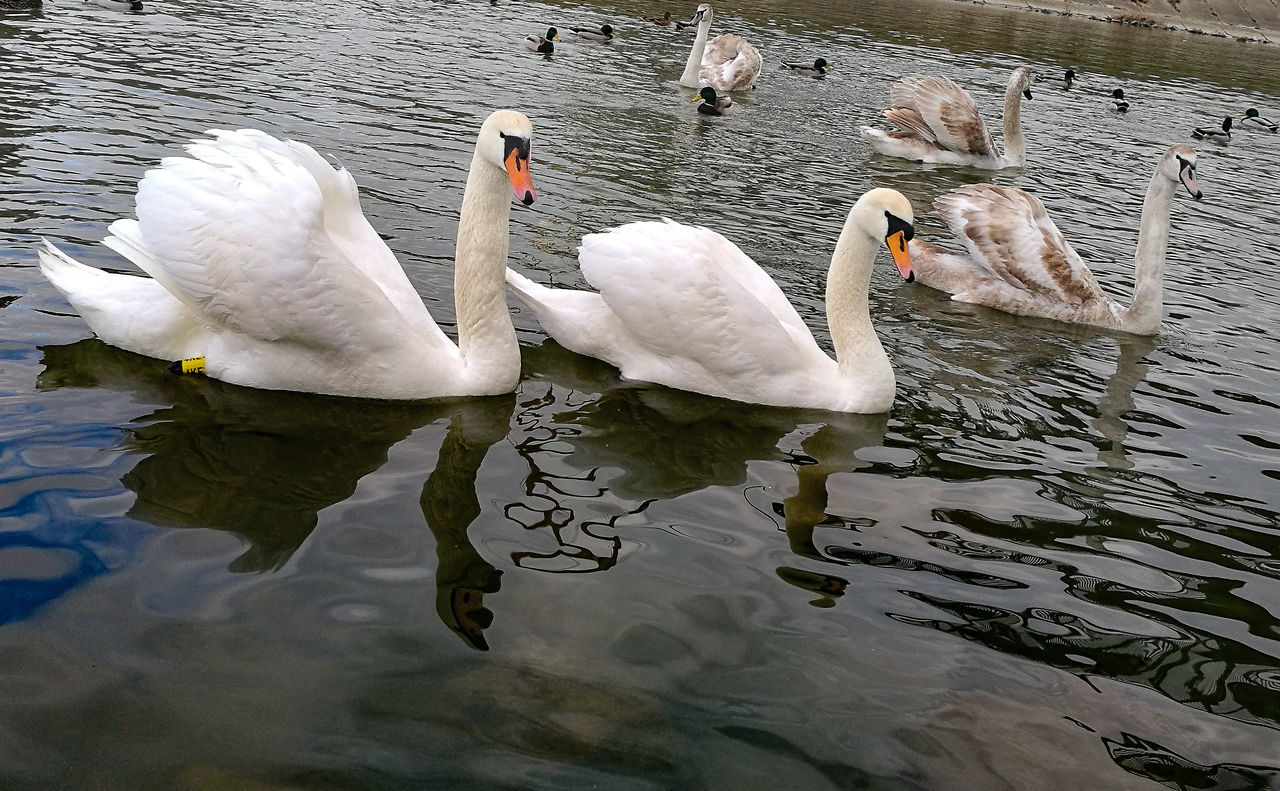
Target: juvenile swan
[
  {"x": 726, "y": 63},
  {"x": 684, "y": 307},
  {"x": 1019, "y": 262},
  {"x": 939, "y": 123},
  {"x": 262, "y": 263}
]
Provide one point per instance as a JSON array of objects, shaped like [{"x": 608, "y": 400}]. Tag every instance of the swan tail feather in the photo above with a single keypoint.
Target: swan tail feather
[{"x": 134, "y": 313}]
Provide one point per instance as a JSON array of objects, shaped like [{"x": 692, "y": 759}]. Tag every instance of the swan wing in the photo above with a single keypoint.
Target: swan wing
[
  {"x": 946, "y": 110},
  {"x": 237, "y": 233},
  {"x": 688, "y": 293},
  {"x": 730, "y": 62},
  {"x": 1009, "y": 231},
  {"x": 344, "y": 220}
]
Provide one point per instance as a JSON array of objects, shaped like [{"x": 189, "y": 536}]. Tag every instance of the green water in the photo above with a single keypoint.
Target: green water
[{"x": 1052, "y": 565}]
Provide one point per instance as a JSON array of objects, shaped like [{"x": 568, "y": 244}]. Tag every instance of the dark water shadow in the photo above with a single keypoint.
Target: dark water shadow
[
  {"x": 655, "y": 443},
  {"x": 262, "y": 464}
]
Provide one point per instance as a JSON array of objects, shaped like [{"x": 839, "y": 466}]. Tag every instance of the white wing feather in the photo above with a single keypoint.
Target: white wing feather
[
  {"x": 715, "y": 310},
  {"x": 240, "y": 237}
]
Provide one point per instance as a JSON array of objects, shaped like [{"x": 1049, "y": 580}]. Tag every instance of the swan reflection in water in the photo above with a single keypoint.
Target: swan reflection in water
[
  {"x": 262, "y": 464},
  {"x": 655, "y": 444}
]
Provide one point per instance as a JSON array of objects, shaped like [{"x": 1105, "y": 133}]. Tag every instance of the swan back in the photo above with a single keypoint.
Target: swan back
[{"x": 940, "y": 112}]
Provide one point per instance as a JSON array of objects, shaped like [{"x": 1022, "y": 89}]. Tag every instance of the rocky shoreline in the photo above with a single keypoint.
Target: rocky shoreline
[{"x": 1243, "y": 20}]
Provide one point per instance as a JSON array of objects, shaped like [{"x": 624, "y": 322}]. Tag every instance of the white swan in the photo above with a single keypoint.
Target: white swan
[
  {"x": 1020, "y": 263},
  {"x": 726, "y": 62},
  {"x": 684, "y": 307},
  {"x": 939, "y": 123},
  {"x": 262, "y": 263}
]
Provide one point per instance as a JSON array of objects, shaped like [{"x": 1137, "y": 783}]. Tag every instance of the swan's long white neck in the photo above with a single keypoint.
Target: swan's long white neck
[
  {"x": 1015, "y": 147},
  {"x": 693, "y": 65},
  {"x": 858, "y": 350},
  {"x": 1147, "y": 308},
  {"x": 486, "y": 337}
]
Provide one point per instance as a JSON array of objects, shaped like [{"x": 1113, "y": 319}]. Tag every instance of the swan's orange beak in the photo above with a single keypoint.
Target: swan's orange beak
[
  {"x": 517, "y": 164},
  {"x": 897, "y": 242}
]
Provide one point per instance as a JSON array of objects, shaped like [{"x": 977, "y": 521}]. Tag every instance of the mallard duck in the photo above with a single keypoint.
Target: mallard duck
[
  {"x": 663, "y": 20},
  {"x": 818, "y": 68},
  {"x": 1222, "y": 135},
  {"x": 684, "y": 307},
  {"x": 1251, "y": 115},
  {"x": 263, "y": 267},
  {"x": 118, "y": 5},
  {"x": 711, "y": 103},
  {"x": 1068, "y": 79},
  {"x": 543, "y": 43},
  {"x": 1118, "y": 101},
  {"x": 726, "y": 62},
  {"x": 939, "y": 123},
  {"x": 1017, "y": 260},
  {"x": 603, "y": 33}
]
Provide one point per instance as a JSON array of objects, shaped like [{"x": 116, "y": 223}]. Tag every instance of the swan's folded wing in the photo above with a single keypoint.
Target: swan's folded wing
[
  {"x": 240, "y": 238},
  {"x": 909, "y": 121},
  {"x": 950, "y": 114},
  {"x": 344, "y": 220},
  {"x": 1010, "y": 231},
  {"x": 730, "y": 61},
  {"x": 688, "y": 292}
]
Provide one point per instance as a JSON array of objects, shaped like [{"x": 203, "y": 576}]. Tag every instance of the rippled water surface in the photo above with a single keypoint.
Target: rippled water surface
[{"x": 1055, "y": 564}]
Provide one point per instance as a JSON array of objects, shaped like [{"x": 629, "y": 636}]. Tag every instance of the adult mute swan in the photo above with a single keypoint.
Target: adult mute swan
[
  {"x": 726, "y": 62},
  {"x": 1020, "y": 263},
  {"x": 939, "y": 123},
  {"x": 263, "y": 264},
  {"x": 684, "y": 307}
]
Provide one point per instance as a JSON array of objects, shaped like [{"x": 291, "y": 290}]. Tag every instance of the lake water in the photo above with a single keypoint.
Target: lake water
[{"x": 1054, "y": 564}]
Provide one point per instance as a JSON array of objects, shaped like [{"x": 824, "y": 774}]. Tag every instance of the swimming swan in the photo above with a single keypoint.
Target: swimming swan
[
  {"x": 1017, "y": 260},
  {"x": 726, "y": 62},
  {"x": 262, "y": 263},
  {"x": 684, "y": 307},
  {"x": 939, "y": 123}
]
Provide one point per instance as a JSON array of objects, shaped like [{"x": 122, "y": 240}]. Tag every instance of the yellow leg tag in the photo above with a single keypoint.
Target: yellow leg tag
[{"x": 192, "y": 365}]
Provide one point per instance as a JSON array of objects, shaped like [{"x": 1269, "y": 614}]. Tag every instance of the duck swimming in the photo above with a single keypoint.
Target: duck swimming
[
  {"x": 1222, "y": 135},
  {"x": 663, "y": 20},
  {"x": 711, "y": 103},
  {"x": 603, "y": 33},
  {"x": 543, "y": 43},
  {"x": 1068, "y": 79},
  {"x": 1251, "y": 116},
  {"x": 938, "y": 122},
  {"x": 1118, "y": 100},
  {"x": 818, "y": 68}
]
